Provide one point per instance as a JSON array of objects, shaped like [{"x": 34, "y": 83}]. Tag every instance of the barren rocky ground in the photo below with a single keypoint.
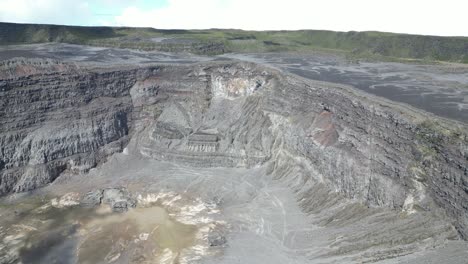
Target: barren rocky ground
[{"x": 119, "y": 156}]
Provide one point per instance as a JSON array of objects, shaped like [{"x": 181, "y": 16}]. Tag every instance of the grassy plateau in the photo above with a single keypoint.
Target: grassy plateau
[{"x": 357, "y": 45}]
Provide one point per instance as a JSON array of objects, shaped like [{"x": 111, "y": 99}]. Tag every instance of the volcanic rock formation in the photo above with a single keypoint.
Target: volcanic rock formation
[{"x": 323, "y": 140}]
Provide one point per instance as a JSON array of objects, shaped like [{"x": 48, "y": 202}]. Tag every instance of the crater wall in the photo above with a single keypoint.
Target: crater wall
[{"x": 57, "y": 117}]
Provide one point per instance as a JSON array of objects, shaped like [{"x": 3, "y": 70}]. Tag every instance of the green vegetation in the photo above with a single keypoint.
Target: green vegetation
[
  {"x": 433, "y": 132},
  {"x": 355, "y": 45},
  {"x": 28, "y": 33},
  {"x": 433, "y": 136}
]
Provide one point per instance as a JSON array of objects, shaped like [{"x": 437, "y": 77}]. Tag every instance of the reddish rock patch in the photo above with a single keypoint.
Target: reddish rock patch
[{"x": 324, "y": 132}]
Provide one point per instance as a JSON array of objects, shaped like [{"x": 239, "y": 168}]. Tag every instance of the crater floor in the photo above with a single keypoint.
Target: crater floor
[{"x": 263, "y": 222}]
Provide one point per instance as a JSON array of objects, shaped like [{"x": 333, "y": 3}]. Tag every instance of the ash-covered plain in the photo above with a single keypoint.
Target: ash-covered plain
[{"x": 118, "y": 156}]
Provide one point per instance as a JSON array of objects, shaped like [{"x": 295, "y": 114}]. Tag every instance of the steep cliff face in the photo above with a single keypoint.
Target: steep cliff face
[
  {"x": 58, "y": 118},
  {"x": 309, "y": 134}
]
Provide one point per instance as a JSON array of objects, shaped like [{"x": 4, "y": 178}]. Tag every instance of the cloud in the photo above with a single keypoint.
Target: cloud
[
  {"x": 45, "y": 11},
  {"x": 432, "y": 17},
  {"x": 417, "y": 16}
]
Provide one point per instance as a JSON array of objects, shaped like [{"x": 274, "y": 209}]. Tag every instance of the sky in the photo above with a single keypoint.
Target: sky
[{"x": 428, "y": 17}]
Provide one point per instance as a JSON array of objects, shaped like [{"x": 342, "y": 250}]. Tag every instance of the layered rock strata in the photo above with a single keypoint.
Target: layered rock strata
[{"x": 57, "y": 117}]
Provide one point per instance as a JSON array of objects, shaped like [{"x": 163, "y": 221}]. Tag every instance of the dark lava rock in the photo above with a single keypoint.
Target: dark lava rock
[
  {"x": 119, "y": 199},
  {"x": 216, "y": 239},
  {"x": 120, "y": 206},
  {"x": 92, "y": 199}
]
